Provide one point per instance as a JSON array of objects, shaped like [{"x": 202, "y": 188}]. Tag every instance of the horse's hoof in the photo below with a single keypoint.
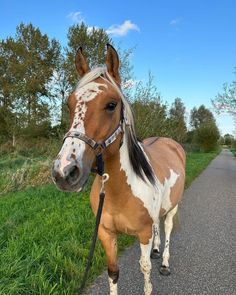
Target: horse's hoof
[
  {"x": 155, "y": 254},
  {"x": 165, "y": 270}
]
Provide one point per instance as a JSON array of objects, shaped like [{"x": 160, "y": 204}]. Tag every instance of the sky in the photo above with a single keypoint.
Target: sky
[{"x": 189, "y": 46}]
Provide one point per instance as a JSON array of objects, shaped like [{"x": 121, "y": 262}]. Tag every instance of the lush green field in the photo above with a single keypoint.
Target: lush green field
[{"x": 45, "y": 234}]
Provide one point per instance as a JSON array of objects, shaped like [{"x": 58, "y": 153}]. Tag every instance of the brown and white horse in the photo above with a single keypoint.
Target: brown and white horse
[{"x": 146, "y": 179}]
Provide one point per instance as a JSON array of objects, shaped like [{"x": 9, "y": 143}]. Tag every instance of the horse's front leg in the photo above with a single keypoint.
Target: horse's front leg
[
  {"x": 145, "y": 262},
  {"x": 109, "y": 243}
]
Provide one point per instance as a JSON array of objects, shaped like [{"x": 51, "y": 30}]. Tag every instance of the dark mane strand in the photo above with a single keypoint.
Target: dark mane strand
[{"x": 138, "y": 160}]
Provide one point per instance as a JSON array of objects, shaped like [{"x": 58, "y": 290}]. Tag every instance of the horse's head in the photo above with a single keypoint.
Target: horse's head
[{"x": 95, "y": 117}]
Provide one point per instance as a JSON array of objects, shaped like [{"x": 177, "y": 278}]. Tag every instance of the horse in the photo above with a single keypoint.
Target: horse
[{"x": 146, "y": 179}]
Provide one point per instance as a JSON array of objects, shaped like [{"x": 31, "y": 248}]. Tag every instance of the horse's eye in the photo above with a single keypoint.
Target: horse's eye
[{"x": 110, "y": 107}]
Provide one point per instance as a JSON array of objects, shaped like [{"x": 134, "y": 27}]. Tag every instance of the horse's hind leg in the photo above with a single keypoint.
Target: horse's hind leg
[
  {"x": 155, "y": 254},
  {"x": 168, "y": 225},
  {"x": 145, "y": 264}
]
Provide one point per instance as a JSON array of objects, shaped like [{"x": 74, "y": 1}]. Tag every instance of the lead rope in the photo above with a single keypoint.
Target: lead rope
[{"x": 105, "y": 178}]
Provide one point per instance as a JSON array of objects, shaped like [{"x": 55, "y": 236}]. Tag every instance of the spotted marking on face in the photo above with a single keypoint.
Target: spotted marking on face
[
  {"x": 73, "y": 148},
  {"x": 84, "y": 94}
]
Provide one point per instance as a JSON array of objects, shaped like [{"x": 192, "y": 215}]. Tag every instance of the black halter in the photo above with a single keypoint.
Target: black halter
[{"x": 98, "y": 147}]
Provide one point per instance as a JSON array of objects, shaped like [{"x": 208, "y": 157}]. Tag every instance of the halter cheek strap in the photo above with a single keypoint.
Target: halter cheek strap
[{"x": 98, "y": 147}]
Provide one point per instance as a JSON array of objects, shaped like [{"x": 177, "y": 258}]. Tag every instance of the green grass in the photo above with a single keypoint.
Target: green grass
[
  {"x": 233, "y": 150},
  {"x": 45, "y": 236},
  {"x": 196, "y": 162}
]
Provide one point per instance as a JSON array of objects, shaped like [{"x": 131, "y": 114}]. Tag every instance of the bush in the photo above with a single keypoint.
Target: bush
[
  {"x": 206, "y": 136},
  {"x": 234, "y": 144}
]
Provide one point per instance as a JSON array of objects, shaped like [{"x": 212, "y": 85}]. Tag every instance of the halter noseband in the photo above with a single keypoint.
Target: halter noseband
[{"x": 98, "y": 147}]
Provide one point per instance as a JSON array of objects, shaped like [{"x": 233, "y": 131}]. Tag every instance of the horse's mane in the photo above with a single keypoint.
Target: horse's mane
[{"x": 137, "y": 156}]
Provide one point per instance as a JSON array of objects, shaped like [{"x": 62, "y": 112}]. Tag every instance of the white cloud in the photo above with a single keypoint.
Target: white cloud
[
  {"x": 123, "y": 29},
  {"x": 76, "y": 17},
  {"x": 174, "y": 22}
]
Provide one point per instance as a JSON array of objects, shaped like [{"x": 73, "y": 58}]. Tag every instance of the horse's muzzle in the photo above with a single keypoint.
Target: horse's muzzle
[{"x": 69, "y": 179}]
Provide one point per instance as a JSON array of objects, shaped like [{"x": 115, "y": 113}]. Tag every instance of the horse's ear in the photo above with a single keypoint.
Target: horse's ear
[
  {"x": 112, "y": 62},
  {"x": 81, "y": 64}
]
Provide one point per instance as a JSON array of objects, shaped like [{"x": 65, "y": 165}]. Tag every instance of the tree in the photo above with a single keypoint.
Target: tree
[
  {"x": 200, "y": 116},
  {"x": 226, "y": 101},
  {"x": 150, "y": 112},
  {"x": 93, "y": 42},
  {"x": 59, "y": 88},
  {"x": 228, "y": 139},
  {"x": 10, "y": 89},
  {"x": 205, "y": 130},
  {"x": 26, "y": 65},
  {"x": 38, "y": 59},
  {"x": 176, "y": 120},
  {"x": 206, "y": 136}
]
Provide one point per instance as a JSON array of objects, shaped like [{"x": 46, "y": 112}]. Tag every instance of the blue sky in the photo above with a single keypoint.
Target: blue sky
[{"x": 189, "y": 46}]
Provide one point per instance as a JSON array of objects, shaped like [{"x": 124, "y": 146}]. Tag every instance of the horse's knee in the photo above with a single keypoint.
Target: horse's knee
[{"x": 113, "y": 275}]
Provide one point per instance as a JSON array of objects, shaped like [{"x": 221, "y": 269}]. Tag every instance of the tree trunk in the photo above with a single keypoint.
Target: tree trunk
[{"x": 13, "y": 140}]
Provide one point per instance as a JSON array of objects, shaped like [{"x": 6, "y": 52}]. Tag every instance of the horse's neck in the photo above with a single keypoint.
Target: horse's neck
[
  {"x": 114, "y": 166},
  {"x": 124, "y": 184},
  {"x": 117, "y": 176},
  {"x": 122, "y": 177}
]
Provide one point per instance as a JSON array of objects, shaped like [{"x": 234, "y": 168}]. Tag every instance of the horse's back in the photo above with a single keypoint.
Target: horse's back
[
  {"x": 165, "y": 148},
  {"x": 167, "y": 158}
]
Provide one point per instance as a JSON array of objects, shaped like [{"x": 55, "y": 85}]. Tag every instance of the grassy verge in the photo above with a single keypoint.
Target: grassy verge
[
  {"x": 45, "y": 236},
  {"x": 233, "y": 151},
  {"x": 196, "y": 162}
]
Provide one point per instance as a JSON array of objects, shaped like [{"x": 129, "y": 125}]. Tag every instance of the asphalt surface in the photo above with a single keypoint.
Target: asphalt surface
[{"x": 203, "y": 251}]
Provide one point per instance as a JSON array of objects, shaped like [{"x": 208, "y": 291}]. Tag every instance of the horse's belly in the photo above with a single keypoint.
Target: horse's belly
[{"x": 132, "y": 224}]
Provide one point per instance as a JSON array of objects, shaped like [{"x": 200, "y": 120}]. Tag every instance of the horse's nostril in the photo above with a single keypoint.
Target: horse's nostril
[{"x": 74, "y": 173}]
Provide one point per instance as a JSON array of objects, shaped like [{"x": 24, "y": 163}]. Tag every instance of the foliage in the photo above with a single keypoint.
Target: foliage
[
  {"x": 226, "y": 101},
  {"x": 207, "y": 136},
  {"x": 228, "y": 139},
  {"x": 150, "y": 113},
  {"x": 93, "y": 42},
  {"x": 200, "y": 116},
  {"x": 233, "y": 143},
  {"x": 27, "y": 63},
  {"x": 59, "y": 88},
  {"x": 176, "y": 121}
]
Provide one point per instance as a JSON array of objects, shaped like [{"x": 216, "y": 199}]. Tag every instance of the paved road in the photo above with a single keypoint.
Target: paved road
[{"x": 203, "y": 259}]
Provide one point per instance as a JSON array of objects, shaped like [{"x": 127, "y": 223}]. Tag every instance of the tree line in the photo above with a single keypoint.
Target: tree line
[{"x": 37, "y": 74}]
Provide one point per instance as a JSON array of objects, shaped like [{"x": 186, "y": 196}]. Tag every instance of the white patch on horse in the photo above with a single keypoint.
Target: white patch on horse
[
  {"x": 146, "y": 266},
  {"x": 168, "y": 184},
  {"x": 156, "y": 233},
  {"x": 113, "y": 287},
  {"x": 88, "y": 91},
  {"x": 151, "y": 195}
]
